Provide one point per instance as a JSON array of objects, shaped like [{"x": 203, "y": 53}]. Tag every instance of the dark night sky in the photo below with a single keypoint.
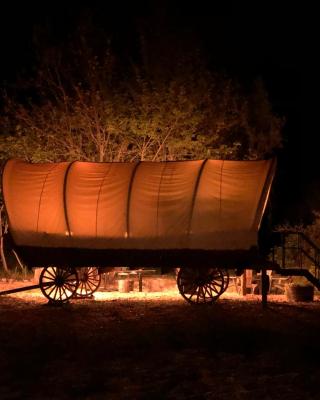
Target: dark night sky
[{"x": 265, "y": 39}]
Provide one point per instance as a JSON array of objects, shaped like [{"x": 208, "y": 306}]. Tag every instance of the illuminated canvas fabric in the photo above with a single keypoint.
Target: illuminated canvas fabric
[{"x": 210, "y": 204}]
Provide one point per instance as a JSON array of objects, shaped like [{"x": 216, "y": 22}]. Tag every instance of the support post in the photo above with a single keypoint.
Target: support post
[
  {"x": 264, "y": 287},
  {"x": 140, "y": 280},
  {"x": 243, "y": 290},
  {"x": 3, "y": 228},
  {"x": 249, "y": 280}
]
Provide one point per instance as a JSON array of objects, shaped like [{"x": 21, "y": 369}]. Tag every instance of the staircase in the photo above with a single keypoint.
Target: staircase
[{"x": 294, "y": 254}]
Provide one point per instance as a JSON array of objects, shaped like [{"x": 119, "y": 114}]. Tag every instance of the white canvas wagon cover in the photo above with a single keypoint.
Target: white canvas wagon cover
[{"x": 206, "y": 204}]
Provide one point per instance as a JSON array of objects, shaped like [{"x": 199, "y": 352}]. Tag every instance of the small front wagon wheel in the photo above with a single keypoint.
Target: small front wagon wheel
[
  {"x": 58, "y": 284},
  {"x": 201, "y": 285}
]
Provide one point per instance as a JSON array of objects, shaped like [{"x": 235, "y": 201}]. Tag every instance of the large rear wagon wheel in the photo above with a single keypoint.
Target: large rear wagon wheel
[
  {"x": 58, "y": 285},
  {"x": 201, "y": 285},
  {"x": 89, "y": 282}
]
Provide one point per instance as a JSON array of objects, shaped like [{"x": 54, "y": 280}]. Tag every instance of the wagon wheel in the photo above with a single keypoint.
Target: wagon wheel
[
  {"x": 58, "y": 284},
  {"x": 89, "y": 282},
  {"x": 226, "y": 279},
  {"x": 201, "y": 285}
]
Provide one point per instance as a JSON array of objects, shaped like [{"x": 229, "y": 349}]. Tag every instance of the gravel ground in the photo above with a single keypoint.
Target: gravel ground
[{"x": 156, "y": 346}]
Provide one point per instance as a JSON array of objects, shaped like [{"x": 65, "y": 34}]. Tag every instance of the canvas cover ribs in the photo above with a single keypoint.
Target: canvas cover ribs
[
  {"x": 203, "y": 204},
  {"x": 195, "y": 192},
  {"x": 68, "y": 231}
]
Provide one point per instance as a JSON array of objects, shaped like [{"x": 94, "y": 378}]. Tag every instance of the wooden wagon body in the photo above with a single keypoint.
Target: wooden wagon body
[{"x": 190, "y": 214}]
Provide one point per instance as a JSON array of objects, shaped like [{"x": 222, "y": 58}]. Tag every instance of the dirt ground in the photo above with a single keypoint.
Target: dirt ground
[{"x": 156, "y": 346}]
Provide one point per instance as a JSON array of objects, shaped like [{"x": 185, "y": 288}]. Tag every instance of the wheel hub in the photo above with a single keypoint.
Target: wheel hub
[
  {"x": 59, "y": 281},
  {"x": 84, "y": 277}
]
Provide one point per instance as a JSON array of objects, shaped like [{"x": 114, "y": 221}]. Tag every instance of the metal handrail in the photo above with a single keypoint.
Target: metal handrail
[{"x": 301, "y": 238}]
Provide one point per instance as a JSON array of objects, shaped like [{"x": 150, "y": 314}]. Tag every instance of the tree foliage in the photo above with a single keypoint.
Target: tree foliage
[{"x": 84, "y": 106}]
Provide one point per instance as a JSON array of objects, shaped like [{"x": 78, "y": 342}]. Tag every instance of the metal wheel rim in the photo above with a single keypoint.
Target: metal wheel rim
[
  {"x": 201, "y": 285},
  {"x": 89, "y": 281},
  {"x": 58, "y": 284}
]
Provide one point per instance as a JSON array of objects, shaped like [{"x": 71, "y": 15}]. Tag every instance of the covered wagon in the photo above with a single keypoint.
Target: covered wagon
[{"x": 201, "y": 217}]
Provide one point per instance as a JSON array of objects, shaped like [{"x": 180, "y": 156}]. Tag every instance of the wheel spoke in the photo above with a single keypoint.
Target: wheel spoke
[
  {"x": 207, "y": 291},
  {"x": 213, "y": 287},
  {"x": 198, "y": 294},
  {"x": 214, "y": 291},
  {"x": 217, "y": 283},
  {"x": 83, "y": 289},
  {"x": 50, "y": 273},
  {"x": 93, "y": 281},
  {"x": 51, "y": 290},
  {"x": 49, "y": 276},
  {"x": 64, "y": 291},
  {"x": 60, "y": 272},
  {"x": 55, "y": 293},
  {"x": 80, "y": 287},
  {"x": 89, "y": 286},
  {"x": 208, "y": 297},
  {"x": 202, "y": 294}
]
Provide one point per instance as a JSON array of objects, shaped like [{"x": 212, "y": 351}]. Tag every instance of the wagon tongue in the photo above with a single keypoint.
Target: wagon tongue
[{"x": 24, "y": 288}]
